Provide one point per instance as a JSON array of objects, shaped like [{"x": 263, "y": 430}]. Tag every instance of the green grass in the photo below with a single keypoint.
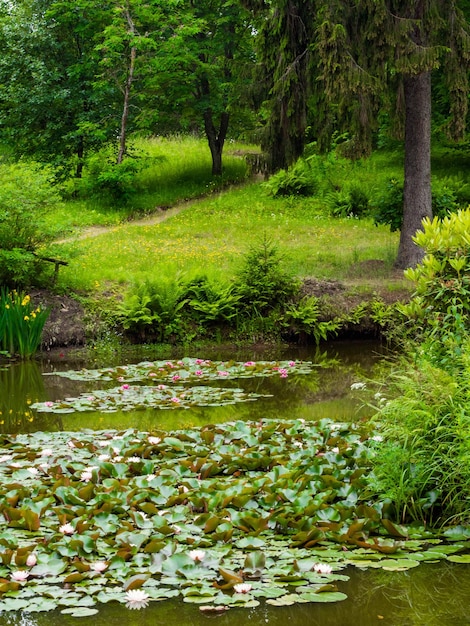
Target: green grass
[
  {"x": 217, "y": 232},
  {"x": 214, "y": 233},
  {"x": 176, "y": 169}
]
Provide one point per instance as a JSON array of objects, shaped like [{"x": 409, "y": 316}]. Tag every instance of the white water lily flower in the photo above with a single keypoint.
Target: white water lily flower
[
  {"x": 134, "y": 459},
  {"x": 33, "y": 470},
  {"x": 154, "y": 440},
  {"x": 136, "y": 599},
  {"x": 47, "y": 452},
  {"x": 86, "y": 476},
  {"x": 19, "y": 576},
  {"x": 98, "y": 566},
  {"x": 5, "y": 457},
  {"x": 322, "y": 568},
  {"x": 31, "y": 560},
  {"x": 66, "y": 529},
  {"x": 197, "y": 555},
  {"x": 242, "y": 588},
  {"x": 103, "y": 457}
]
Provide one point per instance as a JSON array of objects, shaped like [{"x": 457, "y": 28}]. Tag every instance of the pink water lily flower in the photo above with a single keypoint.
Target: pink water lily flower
[
  {"x": 31, "y": 560},
  {"x": 98, "y": 566},
  {"x": 322, "y": 568},
  {"x": 19, "y": 576},
  {"x": 197, "y": 555}
]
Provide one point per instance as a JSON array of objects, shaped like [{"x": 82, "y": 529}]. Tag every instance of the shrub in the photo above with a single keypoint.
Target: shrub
[
  {"x": 25, "y": 197},
  {"x": 116, "y": 181},
  {"x": 389, "y": 206},
  {"x": 352, "y": 202},
  {"x": 424, "y": 467},
  {"x": 209, "y": 302},
  {"x": 303, "y": 320},
  {"x": 262, "y": 283},
  {"x": 152, "y": 310}
]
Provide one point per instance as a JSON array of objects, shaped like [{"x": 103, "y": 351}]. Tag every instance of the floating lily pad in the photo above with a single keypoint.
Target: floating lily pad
[{"x": 459, "y": 558}]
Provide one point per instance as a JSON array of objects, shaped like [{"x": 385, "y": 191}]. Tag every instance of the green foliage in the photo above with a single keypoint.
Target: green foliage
[
  {"x": 153, "y": 309},
  {"x": 208, "y": 301},
  {"x": 263, "y": 283},
  {"x": 351, "y": 201},
  {"x": 441, "y": 302},
  {"x": 389, "y": 206},
  {"x": 26, "y": 196},
  {"x": 108, "y": 179},
  {"x": 425, "y": 466},
  {"x": 303, "y": 320},
  {"x": 298, "y": 180},
  {"x": 21, "y": 324}
]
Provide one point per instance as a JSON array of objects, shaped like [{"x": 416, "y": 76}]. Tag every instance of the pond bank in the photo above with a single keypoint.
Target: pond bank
[{"x": 70, "y": 324}]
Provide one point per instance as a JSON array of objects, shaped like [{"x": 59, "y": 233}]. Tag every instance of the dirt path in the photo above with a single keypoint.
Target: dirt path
[{"x": 159, "y": 215}]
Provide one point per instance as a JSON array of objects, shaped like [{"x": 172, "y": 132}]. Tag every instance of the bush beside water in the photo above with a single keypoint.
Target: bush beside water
[{"x": 424, "y": 466}]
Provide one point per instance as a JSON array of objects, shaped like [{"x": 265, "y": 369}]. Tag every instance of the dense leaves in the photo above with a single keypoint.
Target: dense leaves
[{"x": 225, "y": 515}]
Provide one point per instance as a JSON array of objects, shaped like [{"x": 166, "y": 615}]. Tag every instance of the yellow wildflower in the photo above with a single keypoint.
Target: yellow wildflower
[{"x": 25, "y": 301}]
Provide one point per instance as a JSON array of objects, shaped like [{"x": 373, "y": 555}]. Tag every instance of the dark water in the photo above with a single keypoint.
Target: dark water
[
  {"x": 428, "y": 595},
  {"x": 323, "y": 393}
]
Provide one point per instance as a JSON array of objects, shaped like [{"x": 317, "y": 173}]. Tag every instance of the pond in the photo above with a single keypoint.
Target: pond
[
  {"x": 325, "y": 392},
  {"x": 433, "y": 593}
]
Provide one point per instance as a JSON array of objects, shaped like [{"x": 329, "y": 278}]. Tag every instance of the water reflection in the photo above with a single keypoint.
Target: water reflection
[
  {"x": 323, "y": 393},
  {"x": 428, "y": 595},
  {"x": 22, "y": 384}
]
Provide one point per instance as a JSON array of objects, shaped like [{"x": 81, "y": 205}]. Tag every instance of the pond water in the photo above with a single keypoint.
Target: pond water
[
  {"x": 325, "y": 392},
  {"x": 426, "y": 595}
]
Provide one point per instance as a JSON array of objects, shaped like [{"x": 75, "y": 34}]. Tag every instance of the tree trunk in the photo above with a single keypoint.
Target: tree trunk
[
  {"x": 417, "y": 190},
  {"x": 127, "y": 94},
  {"x": 216, "y": 139}
]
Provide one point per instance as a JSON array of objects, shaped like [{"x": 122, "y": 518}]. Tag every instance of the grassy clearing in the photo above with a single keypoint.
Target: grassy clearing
[
  {"x": 216, "y": 232},
  {"x": 213, "y": 234},
  {"x": 175, "y": 169}
]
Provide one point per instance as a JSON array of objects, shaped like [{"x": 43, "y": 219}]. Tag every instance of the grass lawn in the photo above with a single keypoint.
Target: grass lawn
[
  {"x": 212, "y": 223},
  {"x": 212, "y": 235}
]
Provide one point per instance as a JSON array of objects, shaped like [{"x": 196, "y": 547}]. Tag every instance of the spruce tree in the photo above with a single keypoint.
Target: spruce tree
[{"x": 357, "y": 57}]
